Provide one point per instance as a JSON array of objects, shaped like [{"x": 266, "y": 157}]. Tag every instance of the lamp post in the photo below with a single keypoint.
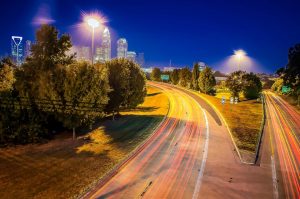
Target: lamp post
[
  {"x": 94, "y": 23},
  {"x": 240, "y": 55}
]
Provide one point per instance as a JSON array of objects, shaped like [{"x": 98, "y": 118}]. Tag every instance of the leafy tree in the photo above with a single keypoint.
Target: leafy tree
[
  {"x": 185, "y": 77},
  {"x": 291, "y": 73},
  {"x": 252, "y": 86},
  {"x": 206, "y": 80},
  {"x": 128, "y": 84},
  {"x": 6, "y": 75},
  {"x": 234, "y": 83},
  {"x": 175, "y": 76},
  {"x": 155, "y": 74},
  {"x": 49, "y": 49},
  {"x": 85, "y": 90},
  {"x": 195, "y": 77},
  {"x": 277, "y": 86}
]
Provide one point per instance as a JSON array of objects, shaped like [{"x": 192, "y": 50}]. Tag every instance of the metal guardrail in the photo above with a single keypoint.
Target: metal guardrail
[{"x": 48, "y": 104}]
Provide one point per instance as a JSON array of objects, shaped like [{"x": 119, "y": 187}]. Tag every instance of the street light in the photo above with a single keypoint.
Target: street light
[
  {"x": 94, "y": 23},
  {"x": 239, "y": 55}
]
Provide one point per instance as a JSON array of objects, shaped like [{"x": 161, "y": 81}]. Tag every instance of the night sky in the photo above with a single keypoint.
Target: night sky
[{"x": 183, "y": 31}]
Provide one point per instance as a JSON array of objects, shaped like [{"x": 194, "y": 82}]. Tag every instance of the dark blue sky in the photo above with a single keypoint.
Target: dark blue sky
[{"x": 183, "y": 31}]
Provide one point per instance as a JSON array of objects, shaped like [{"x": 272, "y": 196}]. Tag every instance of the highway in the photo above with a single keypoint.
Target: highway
[
  {"x": 282, "y": 132},
  {"x": 190, "y": 155}
]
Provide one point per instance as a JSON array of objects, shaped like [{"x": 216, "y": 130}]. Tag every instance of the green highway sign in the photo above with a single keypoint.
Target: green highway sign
[
  {"x": 164, "y": 77},
  {"x": 285, "y": 89}
]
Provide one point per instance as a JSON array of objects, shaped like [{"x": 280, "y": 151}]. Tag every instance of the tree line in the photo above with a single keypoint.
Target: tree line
[
  {"x": 289, "y": 75},
  {"x": 51, "y": 91},
  {"x": 204, "y": 81}
]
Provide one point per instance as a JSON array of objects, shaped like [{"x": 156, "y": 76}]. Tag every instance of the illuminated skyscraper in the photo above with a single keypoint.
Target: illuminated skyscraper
[
  {"x": 27, "y": 48},
  {"x": 131, "y": 56},
  {"x": 122, "y": 48},
  {"x": 106, "y": 45},
  {"x": 17, "y": 51},
  {"x": 100, "y": 55}
]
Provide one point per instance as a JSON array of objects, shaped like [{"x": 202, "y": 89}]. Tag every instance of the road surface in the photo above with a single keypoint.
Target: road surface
[
  {"x": 282, "y": 141},
  {"x": 189, "y": 156}
]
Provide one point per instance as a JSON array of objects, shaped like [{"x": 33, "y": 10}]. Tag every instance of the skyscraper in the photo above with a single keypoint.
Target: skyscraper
[
  {"x": 27, "y": 48},
  {"x": 131, "y": 55},
  {"x": 100, "y": 55},
  {"x": 141, "y": 59},
  {"x": 122, "y": 48},
  {"x": 17, "y": 49},
  {"x": 106, "y": 44}
]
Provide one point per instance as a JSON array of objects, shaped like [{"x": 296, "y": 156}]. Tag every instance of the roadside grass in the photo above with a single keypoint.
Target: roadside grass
[
  {"x": 292, "y": 100},
  {"x": 244, "y": 119},
  {"x": 63, "y": 168}
]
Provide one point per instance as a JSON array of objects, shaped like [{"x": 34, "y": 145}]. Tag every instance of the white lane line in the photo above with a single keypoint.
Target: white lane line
[
  {"x": 201, "y": 172},
  {"x": 274, "y": 178}
]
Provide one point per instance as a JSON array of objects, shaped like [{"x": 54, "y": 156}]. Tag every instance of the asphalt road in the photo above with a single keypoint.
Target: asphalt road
[
  {"x": 190, "y": 155},
  {"x": 282, "y": 146}
]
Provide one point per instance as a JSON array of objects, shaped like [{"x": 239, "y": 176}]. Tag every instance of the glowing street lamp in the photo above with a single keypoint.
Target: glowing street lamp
[
  {"x": 93, "y": 23},
  {"x": 239, "y": 55}
]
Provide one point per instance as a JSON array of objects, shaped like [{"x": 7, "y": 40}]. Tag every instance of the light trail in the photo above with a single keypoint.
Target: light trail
[
  {"x": 285, "y": 121},
  {"x": 171, "y": 161}
]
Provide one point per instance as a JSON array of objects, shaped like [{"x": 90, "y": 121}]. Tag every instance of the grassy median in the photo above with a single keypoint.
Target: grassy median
[
  {"x": 244, "y": 119},
  {"x": 63, "y": 168}
]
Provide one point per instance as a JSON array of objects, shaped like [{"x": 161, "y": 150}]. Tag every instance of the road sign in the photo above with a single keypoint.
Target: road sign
[
  {"x": 236, "y": 99},
  {"x": 164, "y": 77},
  {"x": 231, "y": 100},
  {"x": 285, "y": 89},
  {"x": 223, "y": 100}
]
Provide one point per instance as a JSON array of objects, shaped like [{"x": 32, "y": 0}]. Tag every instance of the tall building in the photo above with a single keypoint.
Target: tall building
[
  {"x": 141, "y": 59},
  {"x": 17, "y": 51},
  {"x": 106, "y": 44},
  {"x": 131, "y": 55},
  {"x": 83, "y": 53},
  {"x": 100, "y": 55},
  {"x": 122, "y": 48},
  {"x": 27, "y": 48}
]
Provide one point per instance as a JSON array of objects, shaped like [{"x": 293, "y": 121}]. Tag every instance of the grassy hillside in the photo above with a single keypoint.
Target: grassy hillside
[{"x": 63, "y": 168}]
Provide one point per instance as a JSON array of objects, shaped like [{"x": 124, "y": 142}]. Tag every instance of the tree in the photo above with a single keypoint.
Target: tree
[
  {"x": 6, "y": 75},
  {"x": 252, "y": 86},
  {"x": 49, "y": 49},
  {"x": 206, "y": 80},
  {"x": 185, "y": 77},
  {"x": 195, "y": 77},
  {"x": 155, "y": 74},
  {"x": 175, "y": 76},
  {"x": 291, "y": 73},
  {"x": 234, "y": 83},
  {"x": 85, "y": 89},
  {"x": 128, "y": 84},
  {"x": 277, "y": 86}
]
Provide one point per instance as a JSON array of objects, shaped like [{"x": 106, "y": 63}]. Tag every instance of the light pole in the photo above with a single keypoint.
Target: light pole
[
  {"x": 240, "y": 55},
  {"x": 94, "y": 23}
]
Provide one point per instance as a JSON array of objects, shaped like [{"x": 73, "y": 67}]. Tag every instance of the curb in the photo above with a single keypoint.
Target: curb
[
  {"x": 261, "y": 130},
  {"x": 106, "y": 177}
]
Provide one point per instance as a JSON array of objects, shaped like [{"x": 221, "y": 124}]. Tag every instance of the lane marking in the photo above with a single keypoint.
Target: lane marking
[
  {"x": 274, "y": 178},
  {"x": 201, "y": 172}
]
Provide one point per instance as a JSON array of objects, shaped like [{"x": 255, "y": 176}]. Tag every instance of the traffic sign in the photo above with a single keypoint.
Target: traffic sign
[
  {"x": 164, "y": 77},
  {"x": 285, "y": 89}
]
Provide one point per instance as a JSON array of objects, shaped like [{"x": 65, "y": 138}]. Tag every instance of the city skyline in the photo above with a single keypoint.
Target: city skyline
[{"x": 213, "y": 35}]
